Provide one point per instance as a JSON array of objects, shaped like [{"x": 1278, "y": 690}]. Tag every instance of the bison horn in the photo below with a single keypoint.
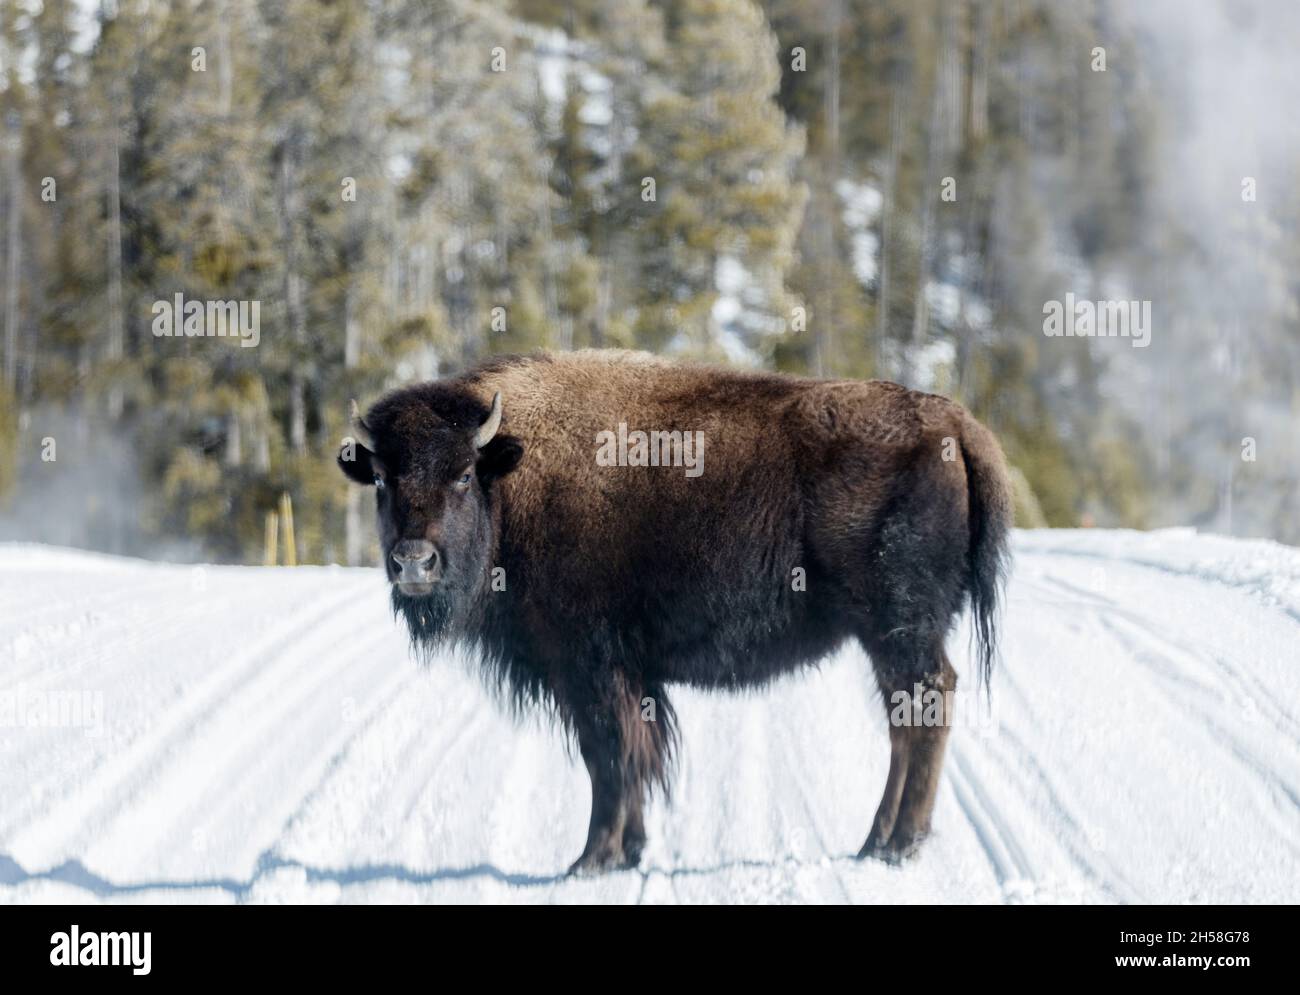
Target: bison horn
[
  {"x": 354, "y": 414},
  {"x": 488, "y": 430}
]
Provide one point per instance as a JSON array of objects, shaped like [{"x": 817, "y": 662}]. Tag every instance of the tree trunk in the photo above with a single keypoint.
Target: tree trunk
[
  {"x": 116, "y": 331},
  {"x": 977, "y": 119},
  {"x": 937, "y": 137},
  {"x": 351, "y": 356},
  {"x": 897, "y": 117},
  {"x": 225, "y": 71},
  {"x": 824, "y": 338},
  {"x": 351, "y": 326},
  {"x": 293, "y": 295},
  {"x": 234, "y": 440},
  {"x": 14, "y": 202}
]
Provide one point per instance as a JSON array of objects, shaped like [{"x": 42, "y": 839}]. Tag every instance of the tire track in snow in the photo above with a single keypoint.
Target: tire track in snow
[
  {"x": 396, "y": 807},
  {"x": 1149, "y": 645},
  {"x": 1005, "y": 855},
  {"x": 250, "y": 758},
  {"x": 1080, "y": 850},
  {"x": 50, "y": 833},
  {"x": 51, "y": 637},
  {"x": 1284, "y": 810},
  {"x": 1205, "y": 576},
  {"x": 705, "y": 732},
  {"x": 273, "y": 857},
  {"x": 338, "y": 815},
  {"x": 811, "y": 817},
  {"x": 1246, "y": 686}
]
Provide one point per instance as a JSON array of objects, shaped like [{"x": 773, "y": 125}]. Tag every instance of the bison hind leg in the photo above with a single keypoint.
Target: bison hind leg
[
  {"x": 918, "y": 691},
  {"x": 914, "y": 593}
]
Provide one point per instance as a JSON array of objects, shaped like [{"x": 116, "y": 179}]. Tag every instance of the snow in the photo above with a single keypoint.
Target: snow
[
  {"x": 862, "y": 204},
  {"x": 934, "y": 364},
  {"x": 738, "y": 316},
  {"x": 261, "y": 735}
]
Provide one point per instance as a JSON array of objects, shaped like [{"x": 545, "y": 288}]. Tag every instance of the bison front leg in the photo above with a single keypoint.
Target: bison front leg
[
  {"x": 599, "y": 705},
  {"x": 918, "y": 735},
  {"x": 627, "y": 746},
  {"x": 634, "y": 828},
  {"x": 600, "y": 739}
]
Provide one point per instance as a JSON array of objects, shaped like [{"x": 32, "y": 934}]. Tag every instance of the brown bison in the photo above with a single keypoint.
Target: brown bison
[{"x": 599, "y": 525}]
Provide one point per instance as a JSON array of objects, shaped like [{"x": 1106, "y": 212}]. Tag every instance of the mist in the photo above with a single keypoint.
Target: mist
[{"x": 1218, "y": 259}]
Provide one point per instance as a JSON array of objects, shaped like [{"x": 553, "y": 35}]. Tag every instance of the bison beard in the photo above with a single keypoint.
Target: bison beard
[
  {"x": 828, "y": 510},
  {"x": 428, "y": 619}
]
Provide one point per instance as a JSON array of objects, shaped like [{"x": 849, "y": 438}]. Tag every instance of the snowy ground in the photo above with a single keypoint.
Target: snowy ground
[{"x": 225, "y": 734}]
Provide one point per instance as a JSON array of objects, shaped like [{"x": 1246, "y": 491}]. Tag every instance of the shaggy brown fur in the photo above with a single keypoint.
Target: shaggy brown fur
[{"x": 826, "y": 510}]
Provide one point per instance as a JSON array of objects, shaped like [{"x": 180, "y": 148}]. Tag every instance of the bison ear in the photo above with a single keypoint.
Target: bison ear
[
  {"x": 498, "y": 457},
  {"x": 357, "y": 462}
]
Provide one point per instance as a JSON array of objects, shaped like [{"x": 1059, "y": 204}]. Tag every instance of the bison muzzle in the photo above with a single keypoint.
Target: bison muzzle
[{"x": 824, "y": 510}]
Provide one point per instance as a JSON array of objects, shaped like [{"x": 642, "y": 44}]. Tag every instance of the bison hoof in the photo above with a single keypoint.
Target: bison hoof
[
  {"x": 600, "y": 862},
  {"x": 895, "y": 850},
  {"x": 632, "y": 847}
]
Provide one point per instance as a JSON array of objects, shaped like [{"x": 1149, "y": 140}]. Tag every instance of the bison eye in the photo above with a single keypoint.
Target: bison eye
[{"x": 464, "y": 480}]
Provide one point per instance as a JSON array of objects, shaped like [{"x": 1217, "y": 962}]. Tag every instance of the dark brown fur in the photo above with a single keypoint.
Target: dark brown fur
[{"x": 620, "y": 581}]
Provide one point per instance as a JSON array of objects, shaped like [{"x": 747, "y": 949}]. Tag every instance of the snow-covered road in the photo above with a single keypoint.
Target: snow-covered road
[{"x": 224, "y": 734}]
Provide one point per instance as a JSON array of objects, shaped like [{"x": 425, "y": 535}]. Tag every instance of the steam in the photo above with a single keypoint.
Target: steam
[
  {"x": 1219, "y": 266},
  {"x": 89, "y": 495}
]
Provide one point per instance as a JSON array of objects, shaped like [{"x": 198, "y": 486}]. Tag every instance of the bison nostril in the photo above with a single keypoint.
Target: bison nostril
[{"x": 414, "y": 558}]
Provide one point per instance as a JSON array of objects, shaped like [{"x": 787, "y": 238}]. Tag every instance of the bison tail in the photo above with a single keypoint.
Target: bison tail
[{"x": 990, "y": 519}]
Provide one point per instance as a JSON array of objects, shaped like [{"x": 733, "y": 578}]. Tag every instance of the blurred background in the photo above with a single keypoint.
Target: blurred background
[{"x": 864, "y": 188}]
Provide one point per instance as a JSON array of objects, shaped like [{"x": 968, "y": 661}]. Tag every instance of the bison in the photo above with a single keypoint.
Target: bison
[{"x": 817, "y": 511}]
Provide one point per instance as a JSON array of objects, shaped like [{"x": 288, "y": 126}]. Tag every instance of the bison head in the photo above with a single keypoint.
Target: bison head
[{"x": 435, "y": 453}]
